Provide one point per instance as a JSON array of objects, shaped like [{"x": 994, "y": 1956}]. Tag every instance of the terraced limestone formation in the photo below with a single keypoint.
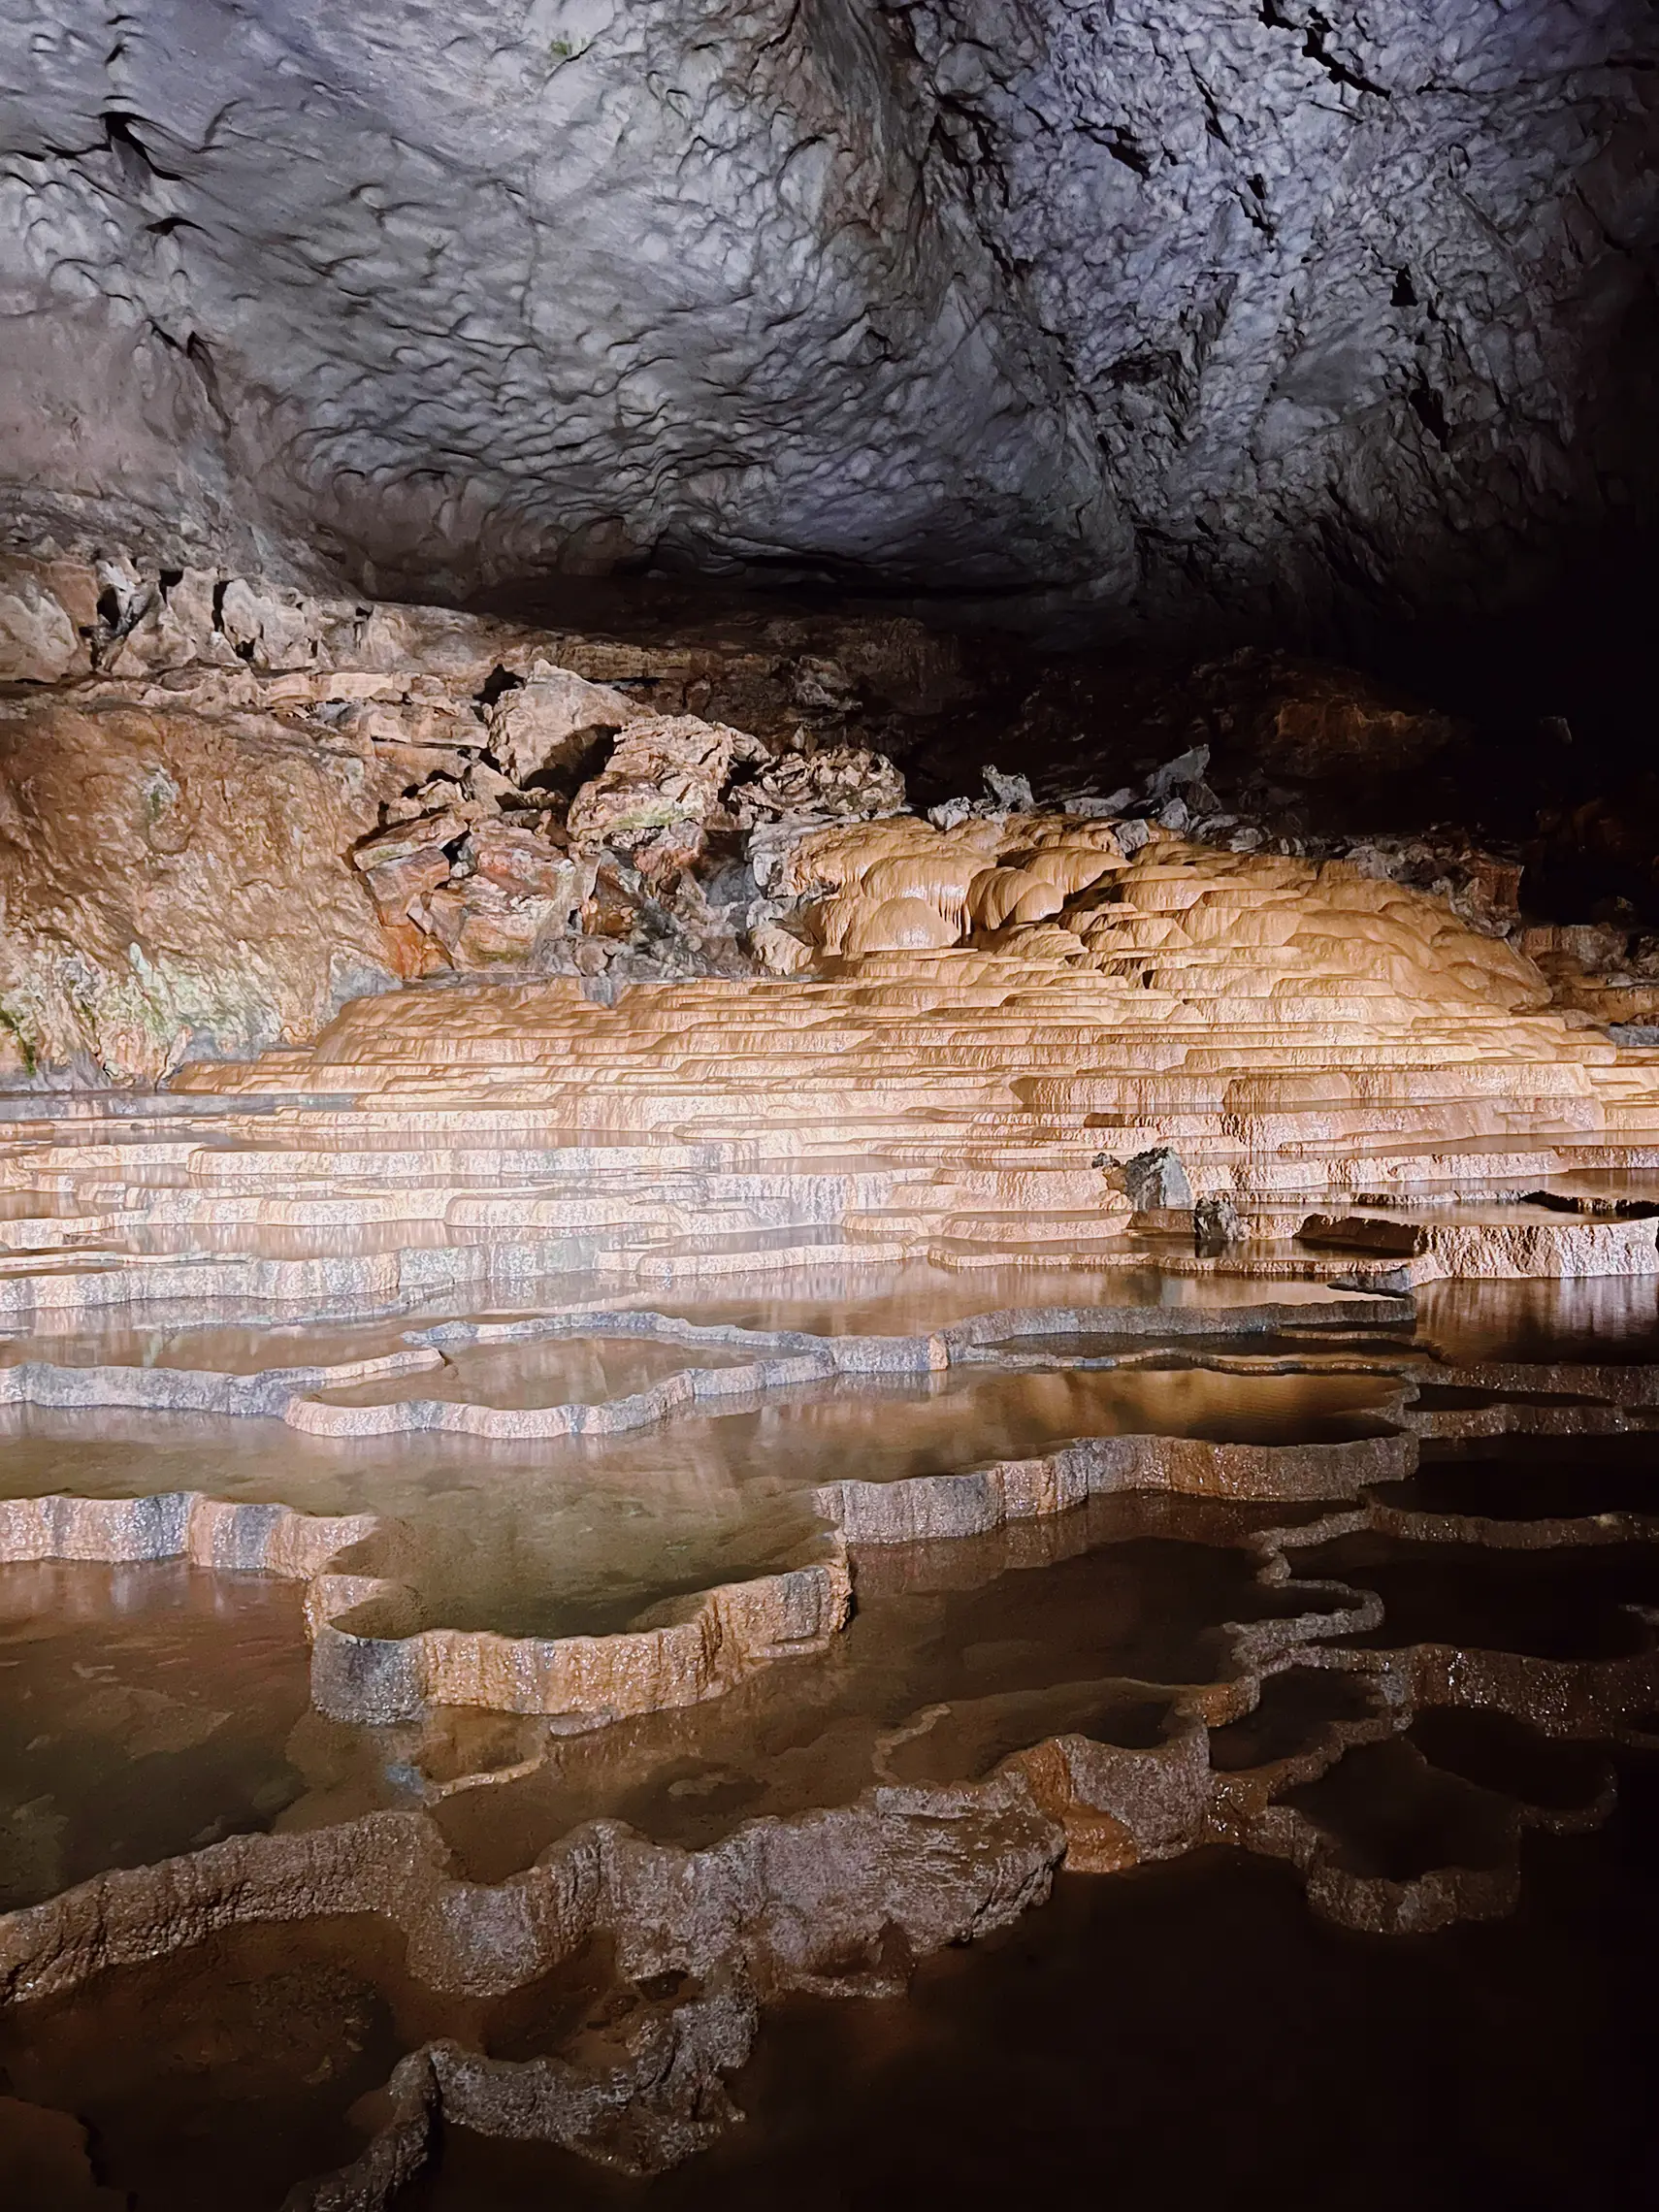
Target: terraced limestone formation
[
  {"x": 1104, "y": 1656},
  {"x": 766, "y": 1470},
  {"x": 1306, "y": 1038}
]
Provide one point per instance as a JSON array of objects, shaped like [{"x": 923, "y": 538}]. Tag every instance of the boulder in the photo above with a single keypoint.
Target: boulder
[
  {"x": 481, "y": 925},
  {"x": 396, "y": 885},
  {"x": 658, "y": 790},
  {"x": 550, "y": 722},
  {"x": 440, "y": 826},
  {"x": 1155, "y": 1180},
  {"x": 1318, "y": 722},
  {"x": 1214, "y": 1226},
  {"x": 175, "y": 886},
  {"x": 524, "y": 863}
]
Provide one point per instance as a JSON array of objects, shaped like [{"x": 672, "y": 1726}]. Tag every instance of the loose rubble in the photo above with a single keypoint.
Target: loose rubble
[{"x": 446, "y": 797}]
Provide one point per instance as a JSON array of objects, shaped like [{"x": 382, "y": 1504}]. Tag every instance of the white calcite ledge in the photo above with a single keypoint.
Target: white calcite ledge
[{"x": 373, "y": 1663}]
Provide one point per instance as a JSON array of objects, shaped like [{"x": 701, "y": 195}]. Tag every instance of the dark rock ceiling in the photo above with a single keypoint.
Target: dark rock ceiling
[{"x": 1177, "y": 304}]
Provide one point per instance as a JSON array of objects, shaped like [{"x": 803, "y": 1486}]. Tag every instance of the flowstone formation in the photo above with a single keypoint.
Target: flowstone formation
[
  {"x": 1383, "y": 1662},
  {"x": 639, "y": 1377}
]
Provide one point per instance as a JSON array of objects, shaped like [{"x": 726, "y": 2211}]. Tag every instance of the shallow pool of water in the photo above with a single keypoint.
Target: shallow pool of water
[
  {"x": 545, "y": 1371},
  {"x": 578, "y": 1535},
  {"x": 1601, "y": 1321},
  {"x": 144, "y": 1711},
  {"x": 151, "y": 1709}
]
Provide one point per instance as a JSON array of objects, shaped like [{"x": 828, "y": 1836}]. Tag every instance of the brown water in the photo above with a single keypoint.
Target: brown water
[
  {"x": 1535, "y": 1478},
  {"x": 225, "y": 1347},
  {"x": 1602, "y": 1320},
  {"x": 144, "y": 1711},
  {"x": 1192, "y": 2029},
  {"x": 1575, "y": 1604},
  {"x": 1181, "y": 2035},
  {"x": 917, "y": 1297},
  {"x": 551, "y": 1371},
  {"x": 578, "y": 1535},
  {"x": 1191, "y": 2036},
  {"x": 221, "y": 2077},
  {"x": 956, "y": 1655}
]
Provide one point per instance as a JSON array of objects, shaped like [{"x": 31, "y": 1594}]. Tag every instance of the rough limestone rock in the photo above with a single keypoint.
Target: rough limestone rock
[
  {"x": 1599, "y": 971},
  {"x": 38, "y": 642},
  {"x": 175, "y": 885},
  {"x": 1329, "y": 722},
  {"x": 132, "y": 622},
  {"x": 1289, "y": 1029},
  {"x": 839, "y": 782},
  {"x": 549, "y": 722},
  {"x": 1221, "y": 308},
  {"x": 1156, "y": 1179},
  {"x": 658, "y": 790}
]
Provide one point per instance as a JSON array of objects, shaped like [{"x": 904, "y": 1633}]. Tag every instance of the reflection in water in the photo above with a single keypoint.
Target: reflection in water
[
  {"x": 912, "y": 1299},
  {"x": 1436, "y": 1708},
  {"x": 1101, "y": 1622},
  {"x": 578, "y": 1535},
  {"x": 144, "y": 1711},
  {"x": 579, "y": 1371},
  {"x": 1543, "y": 1477},
  {"x": 1601, "y": 1318},
  {"x": 1574, "y": 1604},
  {"x": 226, "y": 1347},
  {"x": 220, "y": 2078},
  {"x": 1194, "y": 2033}
]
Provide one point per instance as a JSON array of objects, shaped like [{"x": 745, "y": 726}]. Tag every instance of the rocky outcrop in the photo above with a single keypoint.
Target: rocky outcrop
[
  {"x": 343, "y": 794},
  {"x": 174, "y": 882},
  {"x": 546, "y": 726},
  {"x": 656, "y": 792},
  {"x": 1601, "y": 970},
  {"x": 421, "y": 794}
]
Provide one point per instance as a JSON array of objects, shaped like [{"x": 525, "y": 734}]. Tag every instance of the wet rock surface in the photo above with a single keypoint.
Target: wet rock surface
[{"x": 1403, "y": 1675}]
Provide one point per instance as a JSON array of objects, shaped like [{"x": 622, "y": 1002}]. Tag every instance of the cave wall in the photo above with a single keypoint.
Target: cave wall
[{"x": 1170, "y": 305}]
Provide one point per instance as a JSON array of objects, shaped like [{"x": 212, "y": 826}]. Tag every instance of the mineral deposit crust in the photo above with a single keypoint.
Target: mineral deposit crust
[{"x": 1005, "y": 1038}]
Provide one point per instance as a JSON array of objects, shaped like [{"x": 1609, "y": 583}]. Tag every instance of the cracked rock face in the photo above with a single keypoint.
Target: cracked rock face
[{"x": 1253, "y": 308}]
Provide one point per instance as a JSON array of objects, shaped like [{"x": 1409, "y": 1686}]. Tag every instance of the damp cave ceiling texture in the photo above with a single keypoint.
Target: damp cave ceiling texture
[{"x": 1158, "y": 303}]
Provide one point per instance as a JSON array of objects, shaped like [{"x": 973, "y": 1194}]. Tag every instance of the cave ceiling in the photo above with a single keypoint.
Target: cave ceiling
[{"x": 1155, "y": 305}]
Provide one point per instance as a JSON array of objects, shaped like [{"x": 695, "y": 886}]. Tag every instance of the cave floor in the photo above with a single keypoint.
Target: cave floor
[{"x": 863, "y": 1731}]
